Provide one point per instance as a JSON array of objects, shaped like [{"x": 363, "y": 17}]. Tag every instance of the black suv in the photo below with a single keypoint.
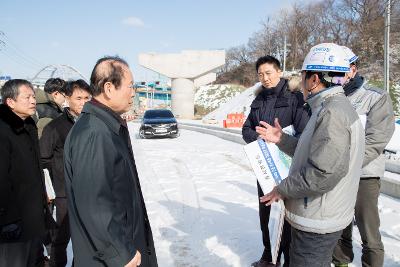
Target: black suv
[{"x": 158, "y": 122}]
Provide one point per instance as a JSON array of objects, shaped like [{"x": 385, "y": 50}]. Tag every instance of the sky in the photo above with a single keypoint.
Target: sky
[{"x": 34, "y": 34}]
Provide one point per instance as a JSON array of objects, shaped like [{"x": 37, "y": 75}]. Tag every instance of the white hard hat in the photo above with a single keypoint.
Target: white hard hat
[
  {"x": 350, "y": 54},
  {"x": 326, "y": 57}
]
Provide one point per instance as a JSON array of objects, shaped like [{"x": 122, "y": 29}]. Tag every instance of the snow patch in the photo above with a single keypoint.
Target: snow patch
[
  {"x": 240, "y": 103},
  {"x": 211, "y": 97}
]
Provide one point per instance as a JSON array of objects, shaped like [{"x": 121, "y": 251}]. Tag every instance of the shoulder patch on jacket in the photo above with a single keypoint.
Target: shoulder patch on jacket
[{"x": 374, "y": 89}]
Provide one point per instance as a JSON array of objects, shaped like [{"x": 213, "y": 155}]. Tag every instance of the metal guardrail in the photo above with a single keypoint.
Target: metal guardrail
[
  {"x": 230, "y": 136},
  {"x": 392, "y": 166}
]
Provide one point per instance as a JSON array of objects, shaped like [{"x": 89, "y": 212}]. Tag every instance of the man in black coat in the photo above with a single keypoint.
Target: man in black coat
[
  {"x": 23, "y": 202},
  {"x": 77, "y": 93},
  {"x": 108, "y": 217},
  {"x": 273, "y": 100},
  {"x": 49, "y": 102}
]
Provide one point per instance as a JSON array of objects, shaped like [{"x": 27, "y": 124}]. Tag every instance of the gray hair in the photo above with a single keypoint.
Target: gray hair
[{"x": 11, "y": 88}]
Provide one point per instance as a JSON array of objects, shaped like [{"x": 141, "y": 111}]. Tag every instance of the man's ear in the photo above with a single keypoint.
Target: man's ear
[
  {"x": 315, "y": 78},
  {"x": 10, "y": 103},
  {"x": 108, "y": 89}
]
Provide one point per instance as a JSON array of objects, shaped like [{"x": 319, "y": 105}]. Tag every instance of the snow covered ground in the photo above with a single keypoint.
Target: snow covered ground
[{"x": 201, "y": 198}]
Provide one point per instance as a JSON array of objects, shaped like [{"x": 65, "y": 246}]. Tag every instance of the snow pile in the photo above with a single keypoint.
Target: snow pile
[
  {"x": 395, "y": 49},
  {"x": 396, "y": 90},
  {"x": 210, "y": 97},
  {"x": 240, "y": 103}
]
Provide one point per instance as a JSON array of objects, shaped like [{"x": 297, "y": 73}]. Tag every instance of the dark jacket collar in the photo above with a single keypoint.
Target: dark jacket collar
[
  {"x": 354, "y": 84},
  {"x": 69, "y": 116},
  {"x": 104, "y": 113},
  {"x": 12, "y": 119},
  {"x": 274, "y": 91},
  {"x": 44, "y": 98}
]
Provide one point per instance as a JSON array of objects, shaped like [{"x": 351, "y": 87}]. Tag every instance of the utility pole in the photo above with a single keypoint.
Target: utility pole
[{"x": 387, "y": 47}]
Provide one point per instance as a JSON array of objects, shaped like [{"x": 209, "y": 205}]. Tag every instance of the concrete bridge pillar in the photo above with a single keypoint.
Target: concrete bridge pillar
[{"x": 182, "y": 98}]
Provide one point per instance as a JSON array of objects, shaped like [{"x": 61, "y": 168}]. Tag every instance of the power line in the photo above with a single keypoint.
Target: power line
[
  {"x": 20, "y": 62},
  {"x": 5, "y": 48},
  {"x": 17, "y": 51},
  {"x": 16, "y": 55},
  {"x": 15, "y": 60}
]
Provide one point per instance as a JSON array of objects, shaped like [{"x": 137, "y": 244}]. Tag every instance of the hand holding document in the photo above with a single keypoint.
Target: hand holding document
[{"x": 271, "y": 197}]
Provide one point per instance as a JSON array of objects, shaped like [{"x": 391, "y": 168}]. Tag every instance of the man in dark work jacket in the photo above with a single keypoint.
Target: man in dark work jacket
[{"x": 273, "y": 100}]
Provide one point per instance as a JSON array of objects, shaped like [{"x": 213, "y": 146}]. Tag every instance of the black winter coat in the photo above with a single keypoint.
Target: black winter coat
[
  {"x": 52, "y": 149},
  {"x": 22, "y": 190},
  {"x": 108, "y": 217},
  {"x": 273, "y": 103},
  {"x": 45, "y": 106},
  {"x": 48, "y": 110}
]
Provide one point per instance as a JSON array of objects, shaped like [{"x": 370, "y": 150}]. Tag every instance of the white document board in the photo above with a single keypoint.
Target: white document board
[{"x": 271, "y": 166}]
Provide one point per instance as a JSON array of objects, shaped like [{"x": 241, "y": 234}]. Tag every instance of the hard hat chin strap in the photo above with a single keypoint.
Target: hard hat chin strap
[{"x": 315, "y": 86}]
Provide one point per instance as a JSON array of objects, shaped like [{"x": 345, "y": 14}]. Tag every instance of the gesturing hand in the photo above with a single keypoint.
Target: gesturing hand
[{"x": 270, "y": 133}]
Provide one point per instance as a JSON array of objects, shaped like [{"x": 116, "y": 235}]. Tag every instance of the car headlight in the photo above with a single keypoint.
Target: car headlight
[
  {"x": 173, "y": 124},
  {"x": 147, "y": 125}
]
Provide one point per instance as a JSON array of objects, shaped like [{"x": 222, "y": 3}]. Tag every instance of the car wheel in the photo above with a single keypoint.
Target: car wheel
[{"x": 141, "y": 134}]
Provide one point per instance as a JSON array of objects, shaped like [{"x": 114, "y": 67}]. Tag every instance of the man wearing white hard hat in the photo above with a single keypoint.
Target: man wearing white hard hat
[
  {"x": 320, "y": 190},
  {"x": 374, "y": 106}
]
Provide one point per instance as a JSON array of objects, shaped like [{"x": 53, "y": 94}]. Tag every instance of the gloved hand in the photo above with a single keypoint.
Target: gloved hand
[{"x": 10, "y": 232}]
